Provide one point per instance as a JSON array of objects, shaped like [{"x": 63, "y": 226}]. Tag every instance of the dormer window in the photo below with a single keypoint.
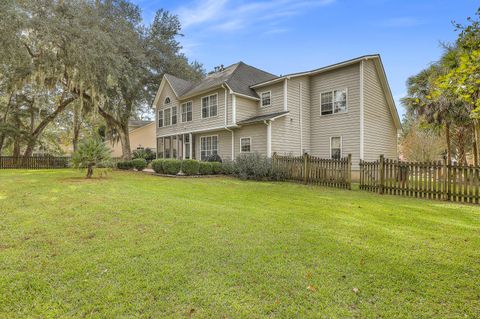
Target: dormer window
[
  {"x": 167, "y": 101},
  {"x": 266, "y": 99}
]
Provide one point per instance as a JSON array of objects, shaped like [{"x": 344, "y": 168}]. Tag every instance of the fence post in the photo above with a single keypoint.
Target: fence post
[
  {"x": 446, "y": 178},
  {"x": 382, "y": 174},
  {"x": 349, "y": 172},
  {"x": 305, "y": 168}
]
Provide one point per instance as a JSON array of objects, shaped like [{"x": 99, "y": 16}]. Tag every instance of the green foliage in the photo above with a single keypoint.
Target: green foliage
[
  {"x": 257, "y": 167},
  {"x": 139, "y": 164},
  {"x": 125, "y": 165},
  {"x": 172, "y": 166},
  {"x": 214, "y": 158},
  {"x": 217, "y": 167},
  {"x": 145, "y": 153},
  {"x": 228, "y": 168},
  {"x": 157, "y": 166},
  {"x": 205, "y": 168},
  {"x": 190, "y": 167},
  {"x": 90, "y": 153}
]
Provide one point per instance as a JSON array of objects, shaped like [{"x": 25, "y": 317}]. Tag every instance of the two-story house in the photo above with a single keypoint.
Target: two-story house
[{"x": 345, "y": 108}]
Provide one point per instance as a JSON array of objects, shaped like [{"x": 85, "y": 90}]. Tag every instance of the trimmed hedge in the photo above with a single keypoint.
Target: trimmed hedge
[
  {"x": 190, "y": 167},
  {"x": 139, "y": 163},
  {"x": 125, "y": 165},
  {"x": 172, "y": 166},
  {"x": 205, "y": 168},
  {"x": 216, "y": 167},
  {"x": 228, "y": 168},
  {"x": 157, "y": 166}
]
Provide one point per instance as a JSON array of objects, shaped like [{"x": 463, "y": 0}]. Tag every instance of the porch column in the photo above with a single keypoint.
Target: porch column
[
  {"x": 183, "y": 147},
  {"x": 190, "y": 145}
]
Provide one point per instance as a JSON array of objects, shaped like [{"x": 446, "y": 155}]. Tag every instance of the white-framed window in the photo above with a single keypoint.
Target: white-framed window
[
  {"x": 208, "y": 146},
  {"x": 166, "y": 101},
  {"x": 333, "y": 102},
  {"x": 209, "y": 106},
  {"x": 266, "y": 99},
  {"x": 336, "y": 147},
  {"x": 245, "y": 144},
  {"x": 167, "y": 117},
  {"x": 187, "y": 112},
  {"x": 174, "y": 115},
  {"x": 160, "y": 118}
]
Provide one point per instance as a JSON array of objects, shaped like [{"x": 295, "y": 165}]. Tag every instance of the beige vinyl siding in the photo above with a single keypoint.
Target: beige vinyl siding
[
  {"x": 380, "y": 133},
  {"x": 197, "y": 122},
  {"x": 224, "y": 143},
  {"x": 346, "y": 125},
  {"x": 276, "y": 99},
  {"x": 286, "y": 138},
  {"x": 258, "y": 134},
  {"x": 246, "y": 108}
]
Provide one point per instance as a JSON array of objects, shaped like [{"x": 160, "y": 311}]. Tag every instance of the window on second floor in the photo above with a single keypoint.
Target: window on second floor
[
  {"x": 209, "y": 106},
  {"x": 174, "y": 115},
  {"x": 187, "y": 112},
  {"x": 266, "y": 99},
  {"x": 160, "y": 118},
  {"x": 333, "y": 102},
  {"x": 167, "y": 113}
]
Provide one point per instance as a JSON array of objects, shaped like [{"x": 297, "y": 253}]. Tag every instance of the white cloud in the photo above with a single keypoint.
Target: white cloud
[{"x": 235, "y": 15}]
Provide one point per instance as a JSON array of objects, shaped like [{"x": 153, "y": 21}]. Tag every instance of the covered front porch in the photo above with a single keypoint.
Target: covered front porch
[{"x": 178, "y": 146}]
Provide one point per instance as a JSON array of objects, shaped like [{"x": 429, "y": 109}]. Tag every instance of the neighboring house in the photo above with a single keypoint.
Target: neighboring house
[
  {"x": 142, "y": 135},
  {"x": 341, "y": 109}
]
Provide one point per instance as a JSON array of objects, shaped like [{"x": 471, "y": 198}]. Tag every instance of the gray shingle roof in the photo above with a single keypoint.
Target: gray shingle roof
[
  {"x": 239, "y": 77},
  {"x": 262, "y": 118}
]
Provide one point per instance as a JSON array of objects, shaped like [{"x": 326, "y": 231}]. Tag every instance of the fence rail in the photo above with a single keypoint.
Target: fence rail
[
  {"x": 432, "y": 180},
  {"x": 314, "y": 170},
  {"x": 33, "y": 162}
]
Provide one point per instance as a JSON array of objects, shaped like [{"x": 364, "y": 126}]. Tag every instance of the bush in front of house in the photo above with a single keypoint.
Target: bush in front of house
[
  {"x": 214, "y": 158},
  {"x": 125, "y": 165},
  {"x": 257, "y": 167},
  {"x": 216, "y": 167},
  {"x": 190, "y": 167},
  {"x": 139, "y": 164},
  {"x": 157, "y": 166},
  {"x": 144, "y": 153},
  {"x": 228, "y": 167},
  {"x": 205, "y": 168},
  {"x": 171, "y": 166}
]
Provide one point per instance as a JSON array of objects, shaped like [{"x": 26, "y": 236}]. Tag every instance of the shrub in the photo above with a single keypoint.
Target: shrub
[
  {"x": 216, "y": 167},
  {"x": 214, "y": 158},
  {"x": 146, "y": 154},
  {"x": 190, "y": 167},
  {"x": 205, "y": 168},
  {"x": 90, "y": 154},
  {"x": 139, "y": 163},
  {"x": 257, "y": 167},
  {"x": 157, "y": 166},
  {"x": 172, "y": 166},
  {"x": 125, "y": 165},
  {"x": 228, "y": 168}
]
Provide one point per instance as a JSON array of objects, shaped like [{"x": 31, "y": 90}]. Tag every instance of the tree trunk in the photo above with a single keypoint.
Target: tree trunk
[
  {"x": 449, "y": 145},
  {"x": 125, "y": 140},
  {"x": 76, "y": 127},
  {"x": 43, "y": 124},
  {"x": 460, "y": 142},
  {"x": 476, "y": 132},
  {"x": 4, "y": 121},
  {"x": 89, "y": 171}
]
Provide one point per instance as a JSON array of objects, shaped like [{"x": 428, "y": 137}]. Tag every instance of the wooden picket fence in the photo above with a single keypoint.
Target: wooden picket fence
[
  {"x": 432, "y": 180},
  {"x": 314, "y": 170},
  {"x": 33, "y": 162}
]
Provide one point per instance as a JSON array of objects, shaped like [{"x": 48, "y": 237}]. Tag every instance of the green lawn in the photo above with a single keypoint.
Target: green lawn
[{"x": 134, "y": 245}]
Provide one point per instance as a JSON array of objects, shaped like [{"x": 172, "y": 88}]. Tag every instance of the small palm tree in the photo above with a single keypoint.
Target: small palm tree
[{"x": 91, "y": 153}]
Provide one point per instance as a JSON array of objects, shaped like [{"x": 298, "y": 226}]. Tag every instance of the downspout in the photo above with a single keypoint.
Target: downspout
[
  {"x": 301, "y": 118},
  {"x": 362, "y": 119},
  {"x": 233, "y": 142},
  {"x": 285, "y": 95},
  {"x": 226, "y": 105},
  {"x": 234, "y": 120}
]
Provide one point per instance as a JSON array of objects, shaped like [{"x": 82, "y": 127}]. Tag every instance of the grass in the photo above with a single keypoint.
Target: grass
[{"x": 134, "y": 245}]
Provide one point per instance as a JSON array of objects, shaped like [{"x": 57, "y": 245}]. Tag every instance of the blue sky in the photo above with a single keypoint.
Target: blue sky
[{"x": 283, "y": 36}]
